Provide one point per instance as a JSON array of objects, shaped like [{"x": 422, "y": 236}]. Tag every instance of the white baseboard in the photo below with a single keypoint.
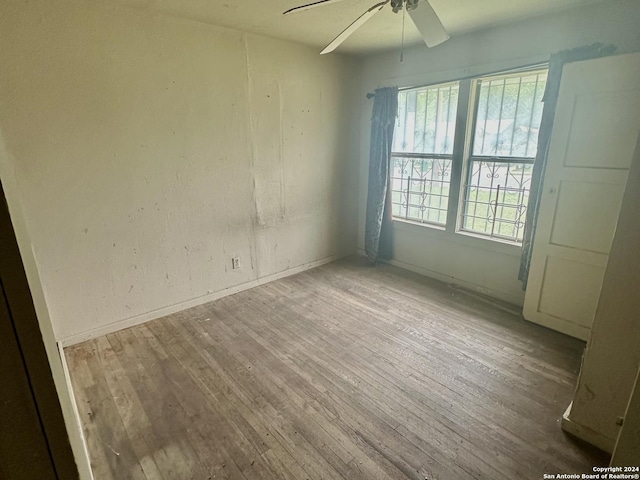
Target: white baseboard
[
  {"x": 194, "y": 302},
  {"x": 585, "y": 433},
  {"x": 505, "y": 297},
  {"x": 82, "y": 457}
]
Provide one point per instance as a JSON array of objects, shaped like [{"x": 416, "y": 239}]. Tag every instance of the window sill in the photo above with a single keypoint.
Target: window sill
[
  {"x": 420, "y": 224},
  {"x": 468, "y": 239},
  {"x": 489, "y": 239}
]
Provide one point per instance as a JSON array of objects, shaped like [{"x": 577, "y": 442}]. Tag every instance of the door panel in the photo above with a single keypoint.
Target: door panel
[
  {"x": 594, "y": 136},
  {"x": 597, "y": 118},
  {"x": 579, "y": 302},
  {"x": 586, "y": 215}
]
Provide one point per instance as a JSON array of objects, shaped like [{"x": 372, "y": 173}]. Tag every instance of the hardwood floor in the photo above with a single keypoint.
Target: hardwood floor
[{"x": 342, "y": 372}]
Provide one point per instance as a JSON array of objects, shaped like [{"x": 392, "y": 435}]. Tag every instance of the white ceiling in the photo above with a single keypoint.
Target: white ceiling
[{"x": 317, "y": 27}]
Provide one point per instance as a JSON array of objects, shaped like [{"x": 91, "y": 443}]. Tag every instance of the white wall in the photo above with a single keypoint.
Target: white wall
[
  {"x": 489, "y": 267},
  {"x": 149, "y": 150}
]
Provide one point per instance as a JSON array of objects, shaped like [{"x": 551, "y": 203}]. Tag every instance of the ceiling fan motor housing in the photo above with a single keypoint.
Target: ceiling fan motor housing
[{"x": 396, "y": 5}]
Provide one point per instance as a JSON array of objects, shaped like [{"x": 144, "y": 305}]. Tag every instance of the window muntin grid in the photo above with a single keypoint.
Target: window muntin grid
[
  {"x": 504, "y": 144},
  {"x": 508, "y": 115},
  {"x": 420, "y": 188},
  {"x": 496, "y": 199},
  {"x": 423, "y": 147},
  {"x": 426, "y": 120}
]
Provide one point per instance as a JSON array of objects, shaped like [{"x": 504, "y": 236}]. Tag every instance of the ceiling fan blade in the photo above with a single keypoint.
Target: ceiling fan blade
[
  {"x": 353, "y": 27},
  {"x": 428, "y": 23},
  {"x": 302, "y": 8}
]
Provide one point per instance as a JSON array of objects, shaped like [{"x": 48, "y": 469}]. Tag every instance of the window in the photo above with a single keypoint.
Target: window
[
  {"x": 423, "y": 152},
  {"x": 485, "y": 165},
  {"x": 507, "y": 117}
]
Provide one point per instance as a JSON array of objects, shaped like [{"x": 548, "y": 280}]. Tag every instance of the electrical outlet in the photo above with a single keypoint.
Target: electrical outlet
[{"x": 235, "y": 263}]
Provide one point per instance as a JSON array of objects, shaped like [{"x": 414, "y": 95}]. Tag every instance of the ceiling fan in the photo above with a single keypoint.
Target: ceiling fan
[{"x": 421, "y": 12}]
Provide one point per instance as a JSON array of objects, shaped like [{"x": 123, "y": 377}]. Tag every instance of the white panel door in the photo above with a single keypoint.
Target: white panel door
[{"x": 594, "y": 135}]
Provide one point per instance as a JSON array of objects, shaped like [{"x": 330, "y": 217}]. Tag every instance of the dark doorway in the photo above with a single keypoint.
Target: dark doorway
[{"x": 33, "y": 438}]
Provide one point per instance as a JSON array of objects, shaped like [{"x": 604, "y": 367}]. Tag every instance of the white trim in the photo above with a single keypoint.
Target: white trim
[
  {"x": 86, "y": 473},
  {"x": 585, "y": 433},
  {"x": 505, "y": 297},
  {"x": 194, "y": 302}
]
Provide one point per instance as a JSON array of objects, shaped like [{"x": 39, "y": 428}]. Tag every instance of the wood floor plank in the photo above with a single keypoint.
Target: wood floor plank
[
  {"x": 222, "y": 387},
  {"x": 357, "y": 417},
  {"x": 116, "y": 444},
  {"x": 132, "y": 416},
  {"x": 341, "y": 449},
  {"x": 236, "y": 373},
  {"x": 341, "y": 372},
  {"x": 211, "y": 417},
  {"x": 436, "y": 430},
  {"x": 82, "y": 382},
  {"x": 415, "y": 347},
  {"x": 225, "y": 400},
  {"x": 161, "y": 405}
]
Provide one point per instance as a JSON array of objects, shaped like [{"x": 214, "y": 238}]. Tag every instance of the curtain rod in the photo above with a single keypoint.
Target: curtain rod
[{"x": 522, "y": 68}]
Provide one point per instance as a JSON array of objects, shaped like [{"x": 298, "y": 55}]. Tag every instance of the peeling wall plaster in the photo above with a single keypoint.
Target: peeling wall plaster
[{"x": 150, "y": 150}]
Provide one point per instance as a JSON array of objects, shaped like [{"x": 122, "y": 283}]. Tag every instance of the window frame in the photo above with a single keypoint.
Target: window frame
[{"x": 462, "y": 160}]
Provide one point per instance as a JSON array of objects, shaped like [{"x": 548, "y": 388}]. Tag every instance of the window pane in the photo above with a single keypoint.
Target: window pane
[
  {"x": 420, "y": 189},
  {"x": 426, "y": 120},
  {"x": 509, "y": 114},
  {"x": 496, "y": 199}
]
